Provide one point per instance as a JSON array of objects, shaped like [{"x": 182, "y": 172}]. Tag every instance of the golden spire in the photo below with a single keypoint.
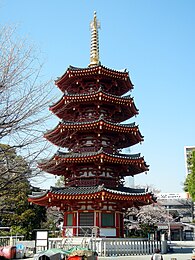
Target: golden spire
[{"x": 94, "y": 52}]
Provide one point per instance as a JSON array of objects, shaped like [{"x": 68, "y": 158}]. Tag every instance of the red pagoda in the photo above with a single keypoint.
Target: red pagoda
[{"x": 94, "y": 105}]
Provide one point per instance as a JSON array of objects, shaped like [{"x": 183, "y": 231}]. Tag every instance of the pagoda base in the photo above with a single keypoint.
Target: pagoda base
[{"x": 93, "y": 224}]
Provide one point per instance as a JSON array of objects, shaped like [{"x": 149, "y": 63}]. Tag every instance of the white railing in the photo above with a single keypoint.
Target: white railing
[
  {"x": 125, "y": 247},
  {"x": 111, "y": 246},
  {"x": 103, "y": 246},
  {"x": 10, "y": 240}
]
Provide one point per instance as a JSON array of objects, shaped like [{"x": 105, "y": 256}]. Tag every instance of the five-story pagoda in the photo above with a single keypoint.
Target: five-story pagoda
[{"x": 92, "y": 110}]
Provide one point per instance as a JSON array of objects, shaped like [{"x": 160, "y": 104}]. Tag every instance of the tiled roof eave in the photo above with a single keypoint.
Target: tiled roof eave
[
  {"x": 99, "y": 70},
  {"x": 131, "y": 125},
  {"x": 38, "y": 194},
  {"x": 86, "y": 191},
  {"x": 64, "y": 130},
  {"x": 67, "y": 125},
  {"x": 100, "y": 152},
  {"x": 61, "y": 158},
  {"x": 71, "y": 98},
  {"x": 125, "y": 193}
]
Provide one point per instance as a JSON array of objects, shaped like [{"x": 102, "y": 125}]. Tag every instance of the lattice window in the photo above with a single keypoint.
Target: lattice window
[
  {"x": 86, "y": 223},
  {"x": 86, "y": 219},
  {"x": 108, "y": 220}
]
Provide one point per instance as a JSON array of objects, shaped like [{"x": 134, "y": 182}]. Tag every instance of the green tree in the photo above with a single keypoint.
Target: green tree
[
  {"x": 186, "y": 183},
  {"x": 15, "y": 211},
  {"x": 190, "y": 180},
  {"x": 13, "y": 170}
]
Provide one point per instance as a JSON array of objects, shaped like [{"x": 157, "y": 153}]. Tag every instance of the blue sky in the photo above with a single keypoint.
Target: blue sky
[{"x": 153, "y": 39}]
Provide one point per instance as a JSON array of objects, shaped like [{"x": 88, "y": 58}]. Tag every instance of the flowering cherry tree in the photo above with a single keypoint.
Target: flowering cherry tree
[
  {"x": 152, "y": 214},
  {"x": 147, "y": 217}
]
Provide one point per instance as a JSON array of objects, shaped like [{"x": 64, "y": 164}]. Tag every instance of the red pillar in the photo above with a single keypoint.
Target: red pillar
[
  {"x": 121, "y": 225},
  {"x": 97, "y": 222},
  {"x": 64, "y": 225},
  {"x": 75, "y": 224},
  {"x": 117, "y": 218}
]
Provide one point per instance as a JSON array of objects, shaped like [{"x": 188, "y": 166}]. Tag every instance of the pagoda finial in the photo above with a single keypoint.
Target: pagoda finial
[{"x": 94, "y": 52}]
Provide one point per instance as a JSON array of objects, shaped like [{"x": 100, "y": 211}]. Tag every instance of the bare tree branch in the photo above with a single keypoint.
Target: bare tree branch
[{"x": 24, "y": 100}]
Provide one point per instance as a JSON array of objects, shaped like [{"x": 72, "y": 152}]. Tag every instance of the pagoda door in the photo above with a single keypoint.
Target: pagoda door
[{"x": 86, "y": 223}]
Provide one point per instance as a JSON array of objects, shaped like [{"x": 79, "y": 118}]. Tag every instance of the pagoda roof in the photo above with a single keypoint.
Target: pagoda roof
[
  {"x": 88, "y": 190},
  {"x": 60, "y": 160},
  {"x": 65, "y": 128},
  {"x": 94, "y": 96},
  {"x": 69, "y": 194},
  {"x": 100, "y": 152},
  {"x": 74, "y": 73}
]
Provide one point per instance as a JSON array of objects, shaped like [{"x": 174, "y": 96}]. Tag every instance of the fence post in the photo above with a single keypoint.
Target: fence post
[
  {"x": 164, "y": 247},
  {"x": 104, "y": 244}
]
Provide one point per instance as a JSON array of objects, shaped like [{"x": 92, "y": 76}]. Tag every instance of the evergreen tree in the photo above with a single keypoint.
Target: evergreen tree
[
  {"x": 13, "y": 170},
  {"x": 15, "y": 210},
  {"x": 190, "y": 180}
]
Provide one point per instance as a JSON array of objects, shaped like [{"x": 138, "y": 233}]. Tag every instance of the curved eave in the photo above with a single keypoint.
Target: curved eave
[
  {"x": 73, "y": 74},
  {"x": 100, "y": 124},
  {"x": 39, "y": 198},
  {"x": 59, "y": 162},
  {"x": 51, "y": 198},
  {"x": 93, "y": 97},
  {"x": 145, "y": 199},
  {"x": 63, "y": 132}
]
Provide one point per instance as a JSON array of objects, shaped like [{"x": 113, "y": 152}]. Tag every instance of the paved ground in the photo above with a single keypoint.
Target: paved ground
[
  {"x": 184, "y": 256},
  {"x": 148, "y": 257},
  {"x": 178, "y": 254}
]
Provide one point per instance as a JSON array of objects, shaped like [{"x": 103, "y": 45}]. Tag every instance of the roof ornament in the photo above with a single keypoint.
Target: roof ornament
[{"x": 94, "y": 52}]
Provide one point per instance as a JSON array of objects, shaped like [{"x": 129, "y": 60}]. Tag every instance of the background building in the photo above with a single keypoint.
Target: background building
[{"x": 180, "y": 206}]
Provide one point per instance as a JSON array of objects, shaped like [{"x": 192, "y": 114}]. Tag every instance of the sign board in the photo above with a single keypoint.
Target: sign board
[
  {"x": 41, "y": 239},
  {"x": 42, "y": 235},
  {"x": 172, "y": 196},
  {"x": 162, "y": 227}
]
